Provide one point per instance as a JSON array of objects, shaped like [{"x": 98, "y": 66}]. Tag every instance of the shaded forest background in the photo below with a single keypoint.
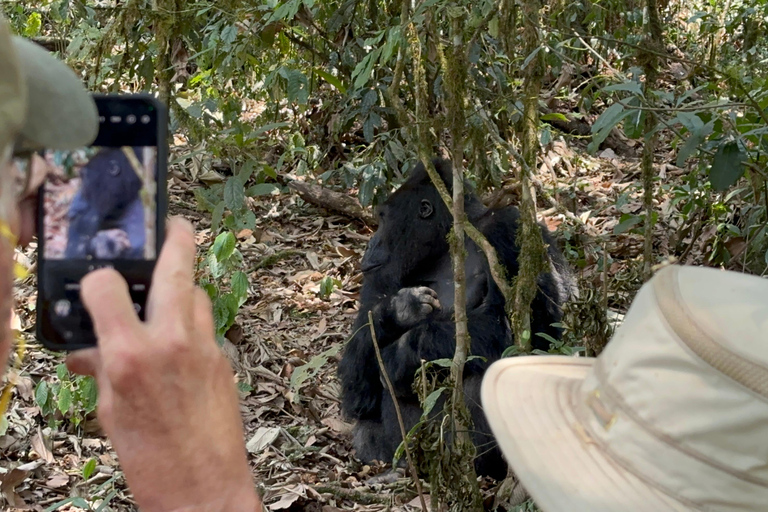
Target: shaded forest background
[{"x": 637, "y": 130}]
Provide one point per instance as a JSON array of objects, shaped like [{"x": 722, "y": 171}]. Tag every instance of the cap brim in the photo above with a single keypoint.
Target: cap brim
[
  {"x": 529, "y": 403},
  {"x": 60, "y": 112}
]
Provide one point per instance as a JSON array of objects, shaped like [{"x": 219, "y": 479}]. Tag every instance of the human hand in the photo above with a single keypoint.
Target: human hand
[{"x": 167, "y": 398}]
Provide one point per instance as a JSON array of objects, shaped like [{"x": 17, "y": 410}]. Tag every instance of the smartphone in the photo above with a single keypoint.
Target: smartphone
[{"x": 101, "y": 206}]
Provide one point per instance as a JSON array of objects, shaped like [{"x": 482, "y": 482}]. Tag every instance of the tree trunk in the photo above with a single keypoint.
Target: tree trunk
[{"x": 532, "y": 253}]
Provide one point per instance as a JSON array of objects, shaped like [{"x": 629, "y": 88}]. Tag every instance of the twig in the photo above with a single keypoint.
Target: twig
[{"x": 397, "y": 411}]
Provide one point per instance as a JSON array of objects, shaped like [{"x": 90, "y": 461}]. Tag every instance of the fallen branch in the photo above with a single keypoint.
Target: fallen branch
[{"x": 332, "y": 200}]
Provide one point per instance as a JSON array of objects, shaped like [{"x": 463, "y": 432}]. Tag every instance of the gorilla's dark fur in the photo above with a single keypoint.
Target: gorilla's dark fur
[
  {"x": 406, "y": 270},
  {"x": 108, "y": 200}
]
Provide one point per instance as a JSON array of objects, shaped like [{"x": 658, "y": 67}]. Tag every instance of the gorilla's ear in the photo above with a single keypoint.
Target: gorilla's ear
[{"x": 425, "y": 210}]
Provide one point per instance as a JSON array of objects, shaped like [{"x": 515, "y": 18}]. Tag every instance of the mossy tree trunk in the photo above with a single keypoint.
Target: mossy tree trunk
[{"x": 532, "y": 252}]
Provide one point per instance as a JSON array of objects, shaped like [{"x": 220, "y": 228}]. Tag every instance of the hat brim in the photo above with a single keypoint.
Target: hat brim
[
  {"x": 530, "y": 405},
  {"x": 61, "y": 114}
]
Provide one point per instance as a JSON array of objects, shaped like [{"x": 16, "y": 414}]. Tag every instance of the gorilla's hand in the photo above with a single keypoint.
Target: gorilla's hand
[{"x": 410, "y": 306}]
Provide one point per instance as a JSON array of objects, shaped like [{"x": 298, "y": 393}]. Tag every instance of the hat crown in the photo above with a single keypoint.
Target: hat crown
[{"x": 680, "y": 395}]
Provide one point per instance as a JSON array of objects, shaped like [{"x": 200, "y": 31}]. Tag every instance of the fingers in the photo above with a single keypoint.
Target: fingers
[
  {"x": 84, "y": 362},
  {"x": 105, "y": 296},
  {"x": 173, "y": 279},
  {"x": 203, "y": 315},
  {"x": 428, "y": 297}
]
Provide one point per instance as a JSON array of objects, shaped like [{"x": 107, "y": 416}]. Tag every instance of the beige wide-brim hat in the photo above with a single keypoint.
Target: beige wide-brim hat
[
  {"x": 43, "y": 104},
  {"x": 673, "y": 414}
]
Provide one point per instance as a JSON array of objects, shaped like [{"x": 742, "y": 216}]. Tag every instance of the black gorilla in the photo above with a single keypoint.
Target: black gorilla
[
  {"x": 408, "y": 286},
  {"x": 107, "y": 215}
]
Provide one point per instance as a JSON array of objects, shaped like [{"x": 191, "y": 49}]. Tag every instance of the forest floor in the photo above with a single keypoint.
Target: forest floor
[{"x": 286, "y": 349}]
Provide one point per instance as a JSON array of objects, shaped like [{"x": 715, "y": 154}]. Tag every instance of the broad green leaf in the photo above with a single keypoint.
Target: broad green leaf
[
  {"x": 62, "y": 373},
  {"x": 234, "y": 194},
  {"x": 627, "y": 222},
  {"x": 727, "y": 166},
  {"x": 89, "y": 393},
  {"x": 263, "y": 189},
  {"x": 41, "y": 393},
  {"x": 64, "y": 399},
  {"x": 246, "y": 171},
  {"x": 605, "y": 123},
  {"x": 431, "y": 401},
  {"x": 224, "y": 245},
  {"x": 240, "y": 285},
  {"x": 363, "y": 70},
  {"x": 609, "y": 118},
  {"x": 89, "y": 468},
  {"x": 691, "y": 145},
  {"x": 220, "y": 314},
  {"x": 334, "y": 81},
  {"x": 218, "y": 213}
]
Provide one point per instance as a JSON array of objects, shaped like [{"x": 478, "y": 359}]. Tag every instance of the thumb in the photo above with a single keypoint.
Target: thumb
[{"x": 105, "y": 296}]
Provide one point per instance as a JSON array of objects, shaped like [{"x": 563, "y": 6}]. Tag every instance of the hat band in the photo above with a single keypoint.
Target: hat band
[{"x": 658, "y": 460}]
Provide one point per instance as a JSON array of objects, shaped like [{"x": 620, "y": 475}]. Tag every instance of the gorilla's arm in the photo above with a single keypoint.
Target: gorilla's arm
[
  {"x": 392, "y": 317},
  {"x": 436, "y": 339},
  {"x": 84, "y": 222}
]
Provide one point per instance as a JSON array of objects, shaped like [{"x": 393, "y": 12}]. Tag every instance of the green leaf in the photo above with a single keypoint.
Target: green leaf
[
  {"x": 609, "y": 118},
  {"x": 62, "y": 373},
  {"x": 64, "y": 399},
  {"x": 233, "y": 305},
  {"x": 363, "y": 70},
  {"x": 331, "y": 80},
  {"x": 627, "y": 222},
  {"x": 605, "y": 123},
  {"x": 228, "y": 35},
  {"x": 234, "y": 194},
  {"x": 246, "y": 171},
  {"x": 263, "y": 189},
  {"x": 727, "y": 166},
  {"x": 41, "y": 393},
  {"x": 554, "y": 116},
  {"x": 32, "y": 27},
  {"x": 89, "y": 393},
  {"x": 327, "y": 285},
  {"x": 218, "y": 213},
  {"x": 220, "y": 314},
  {"x": 297, "y": 86},
  {"x": 240, "y": 286},
  {"x": 89, "y": 468},
  {"x": 224, "y": 246},
  {"x": 431, "y": 401}
]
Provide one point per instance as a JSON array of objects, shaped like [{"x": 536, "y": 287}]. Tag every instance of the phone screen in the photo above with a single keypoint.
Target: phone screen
[{"x": 100, "y": 207}]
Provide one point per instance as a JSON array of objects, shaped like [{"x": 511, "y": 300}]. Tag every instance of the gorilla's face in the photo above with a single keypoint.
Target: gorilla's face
[{"x": 413, "y": 226}]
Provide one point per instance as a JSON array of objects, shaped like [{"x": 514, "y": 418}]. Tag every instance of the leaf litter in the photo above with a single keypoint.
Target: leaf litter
[{"x": 287, "y": 340}]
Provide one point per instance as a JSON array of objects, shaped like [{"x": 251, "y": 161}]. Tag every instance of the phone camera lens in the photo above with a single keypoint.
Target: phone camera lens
[
  {"x": 145, "y": 119},
  {"x": 130, "y": 119}
]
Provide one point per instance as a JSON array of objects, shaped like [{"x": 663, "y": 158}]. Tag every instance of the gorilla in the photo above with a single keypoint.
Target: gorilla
[
  {"x": 108, "y": 201},
  {"x": 408, "y": 287}
]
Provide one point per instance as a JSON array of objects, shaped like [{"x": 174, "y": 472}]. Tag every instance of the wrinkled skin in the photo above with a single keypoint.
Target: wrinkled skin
[{"x": 167, "y": 397}]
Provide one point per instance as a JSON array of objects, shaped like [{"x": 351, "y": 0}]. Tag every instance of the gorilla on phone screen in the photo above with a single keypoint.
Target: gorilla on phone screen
[
  {"x": 408, "y": 286},
  {"x": 106, "y": 217}
]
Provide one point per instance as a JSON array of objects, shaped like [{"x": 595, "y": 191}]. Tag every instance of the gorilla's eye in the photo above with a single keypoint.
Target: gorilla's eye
[
  {"x": 425, "y": 210},
  {"x": 114, "y": 168}
]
